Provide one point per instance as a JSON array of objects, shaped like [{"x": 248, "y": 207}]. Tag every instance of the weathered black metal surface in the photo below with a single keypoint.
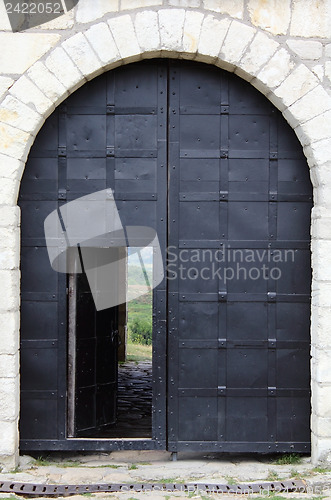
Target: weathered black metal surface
[
  {"x": 109, "y": 134},
  {"x": 240, "y": 196},
  {"x": 202, "y": 157},
  {"x": 59, "y": 490}
]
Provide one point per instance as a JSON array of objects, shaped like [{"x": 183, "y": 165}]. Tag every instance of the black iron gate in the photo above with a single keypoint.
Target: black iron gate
[{"x": 200, "y": 156}]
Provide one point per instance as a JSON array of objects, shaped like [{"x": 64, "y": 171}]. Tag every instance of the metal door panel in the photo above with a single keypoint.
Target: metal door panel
[
  {"x": 198, "y": 418},
  {"x": 78, "y": 152},
  {"x": 248, "y": 221},
  {"x": 247, "y": 419},
  {"x": 38, "y": 418},
  {"x": 262, "y": 355},
  {"x": 39, "y": 320},
  {"x": 291, "y": 321},
  {"x": 241, "y": 321},
  {"x": 291, "y": 221},
  {"x": 35, "y": 362},
  {"x": 196, "y": 322},
  {"x": 85, "y": 133}
]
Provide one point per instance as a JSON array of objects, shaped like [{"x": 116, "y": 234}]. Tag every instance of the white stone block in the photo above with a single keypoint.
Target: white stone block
[
  {"x": 321, "y": 400},
  {"x": 147, "y": 31},
  {"x": 235, "y": 8},
  {"x": 328, "y": 50},
  {"x": 320, "y": 453},
  {"x": 328, "y": 70},
  {"x": 10, "y": 167},
  {"x": 60, "y": 64},
  {"x": 47, "y": 83},
  {"x": 322, "y": 427},
  {"x": 213, "y": 32},
  {"x": 137, "y": 4},
  {"x": 125, "y": 38},
  {"x": 306, "y": 49},
  {"x": 321, "y": 228},
  {"x": 5, "y": 83},
  {"x": 9, "y": 332},
  {"x": 102, "y": 42},
  {"x": 88, "y": 11},
  {"x": 80, "y": 51},
  {"x": 271, "y": 16},
  {"x": 9, "y": 441},
  {"x": 310, "y": 18},
  {"x": 300, "y": 81},
  {"x": 64, "y": 22},
  {"x": 14, "y": 142},
  {"x": 312, "y": 104},
  {"x": 30, "y": 94},
  {"x": 171, "y": 26},
  {"x": 319, "y": 152},
  {"x": 321, "y": 292},
  {"x": 320, "y": 327},
  {"x": 236, "y": 41},
  {"x": 9, "y": 401},
  {"x": 4, "y": 19},
  {"x": 316, "y": 129},
  {"x": 9, "y": 365},
  {"x": 274, "y": 72},
  {"x": 259, "y": 52},
  {"x": 15, "y": 113},
  {"x": 9, "y": 217},
  {"x": 9, "y": 290},
  {"x": 192, "y": 29},
  {"x": 182, "y": 3},
  {"x": 9, "y": 259},
  {"x": 323, "y": 197},
  {"x": 321, "y": 259},
  {"x": 20, "y": 50},
  {"x": 318, "y": 70}
]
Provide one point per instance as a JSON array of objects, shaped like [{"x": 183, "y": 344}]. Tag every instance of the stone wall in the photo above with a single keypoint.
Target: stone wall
[{"x": 283, "y": 47}]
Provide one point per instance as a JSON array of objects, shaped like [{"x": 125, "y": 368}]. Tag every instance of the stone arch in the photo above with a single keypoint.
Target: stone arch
[{"x": 177, "y": 33}]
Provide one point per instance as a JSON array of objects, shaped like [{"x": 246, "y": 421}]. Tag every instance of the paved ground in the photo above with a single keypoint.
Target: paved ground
[{"x": 146, "y": 466}]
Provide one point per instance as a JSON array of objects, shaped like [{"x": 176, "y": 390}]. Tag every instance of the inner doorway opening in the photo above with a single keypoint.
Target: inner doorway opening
[{"x": 110, "y": 352}]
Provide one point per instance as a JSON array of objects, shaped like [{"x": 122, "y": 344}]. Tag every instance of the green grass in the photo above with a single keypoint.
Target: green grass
[
  {"x": 272, "y": 476},
  {"x": 321, "y": 470},
  {"x": 288, "y": 459},
  {"x": 231, "y": 480},
  {"x": 138, "y": 352},
  {"x": 133, "y": 467},
  {"x": 140, "y": 308}
]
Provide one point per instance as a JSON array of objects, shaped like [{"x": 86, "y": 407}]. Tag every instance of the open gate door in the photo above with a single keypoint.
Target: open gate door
[{"x": 93, "y": 363}]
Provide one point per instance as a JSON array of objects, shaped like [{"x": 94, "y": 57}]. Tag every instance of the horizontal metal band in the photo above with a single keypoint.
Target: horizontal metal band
[
  {"x": 243, "y": 344},
  {"x": 243, "y": 197},
  {"x": 39, "y": 297},
  {"x": 245, "y": 244},
  {"x": 241, "y": 447},
  {"x": 29, "y": 395},
  {"x": 243, "y": 297},
  {"x": 77, "y": 444},
  {"x": 111, "y": 110},
  {"x": 242, "y": 392},
  {"x": 39, "y": 344}
]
